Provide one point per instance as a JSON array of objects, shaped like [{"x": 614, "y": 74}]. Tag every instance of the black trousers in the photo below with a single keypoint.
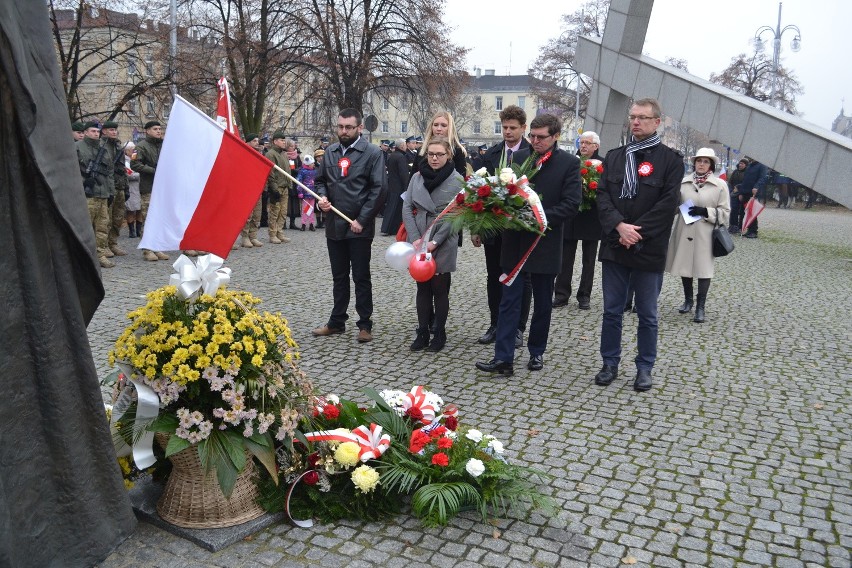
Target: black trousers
[
  {"x": 495, "y": 289},
  {"x": 562, "y": 291},
  {"x": 354, "y": 254}
]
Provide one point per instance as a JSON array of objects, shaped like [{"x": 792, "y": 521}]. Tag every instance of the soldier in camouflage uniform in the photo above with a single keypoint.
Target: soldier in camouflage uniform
[
  {"x": 278, "y": 186},
  {"x": 144, "y": 161},
  {"x": 95, "y": 161},
  {"x": 249, "y": 231},
  {"x": 109, "y": 135}
]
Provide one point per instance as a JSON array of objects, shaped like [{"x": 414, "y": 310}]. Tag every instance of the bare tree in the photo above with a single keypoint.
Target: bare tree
[{"x": 752, "y": 76}]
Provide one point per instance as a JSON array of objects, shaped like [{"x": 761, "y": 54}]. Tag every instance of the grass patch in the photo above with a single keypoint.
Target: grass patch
[{"x": 783, "y": 238}]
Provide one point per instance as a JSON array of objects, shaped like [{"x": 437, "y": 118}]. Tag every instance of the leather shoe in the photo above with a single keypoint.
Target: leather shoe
[
  {"x": 489, "y": 336},
  {"x": 606, "y": 375},
  {"x": 364, "y": 336},
  {"x": 536, "y": 363},
  {"x": 519, "y": 339},
  {"x": 584, "y": 304},
  {"x": 559, "y": 303},
  {"x": 325, "y": 330},
  {"x": 643, "y": 380},
  {"x": 496, "y": 366}
]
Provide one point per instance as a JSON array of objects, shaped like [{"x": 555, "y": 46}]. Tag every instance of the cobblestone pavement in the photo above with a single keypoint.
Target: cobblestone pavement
[{"x": 739, "y": 456}]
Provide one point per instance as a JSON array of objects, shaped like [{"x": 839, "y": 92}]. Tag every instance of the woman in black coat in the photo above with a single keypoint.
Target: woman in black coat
[{"x": 442, "y": 125}]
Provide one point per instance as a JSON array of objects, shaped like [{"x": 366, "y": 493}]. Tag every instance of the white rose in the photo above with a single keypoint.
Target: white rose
[
  {"x": 481, "y": 172},
  {"x": 332, "y": 399},
  {"x": 475, "y": 467},
  {"x": 474, "y": 435},
  {"x": 507, "y": 175},
  {"x": 496, "y": 445}
]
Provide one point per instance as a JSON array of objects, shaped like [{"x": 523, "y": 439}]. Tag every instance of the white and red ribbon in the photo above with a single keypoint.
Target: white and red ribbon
[
  {"x": 417, "y": 399},
  {"x": 531, "y": 197},
  {"x": 371, "y": 442},
  {"x": 344, "y": 164}
]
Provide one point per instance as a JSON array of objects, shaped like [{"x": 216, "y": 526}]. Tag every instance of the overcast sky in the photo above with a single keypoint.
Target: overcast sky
[{"x": 507, "y": 35}]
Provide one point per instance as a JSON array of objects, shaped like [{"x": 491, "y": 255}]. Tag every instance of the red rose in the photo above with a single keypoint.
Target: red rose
[
  {"x": 599, "y": 169},
  {"x": 593, "y": 185},
  {"x": 451, "y": 423},
  {"x": 584, "y": 171},
  {"x": 477, "y": 207},
  {"x": 484, "y": 191},
  {"x": 414, "y": 413},
  {"x": 498, "y": 211},
  {"x": 445, "y": 443},
  {"x": 313, "y": 459},
  {"x": 311, "y": 478},
  {"x": 512, "y": 189},
  {"x": 330, "y": 412},
  {"x": 418, "y": 441},
  {"x": 441, "y": 459},
  {"x": 587, "y": 163},
  {"x": 460, "y": 198}
]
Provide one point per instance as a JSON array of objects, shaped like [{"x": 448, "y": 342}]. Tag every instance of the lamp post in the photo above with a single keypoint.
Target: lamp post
[{"x": 777, "y": 32}]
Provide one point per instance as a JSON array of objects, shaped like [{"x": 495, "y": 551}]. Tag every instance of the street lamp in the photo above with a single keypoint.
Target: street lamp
[{"x": 777, "y": 32}]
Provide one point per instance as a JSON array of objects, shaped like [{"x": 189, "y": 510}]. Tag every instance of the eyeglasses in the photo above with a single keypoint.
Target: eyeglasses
[
  {"x": 535, "y": 137},
  {"x": 436, "y": 154},
  {"x": 346, "y": 127},
  {"x": 633, "y": 117},
  {"x": 587, "y": 143}
]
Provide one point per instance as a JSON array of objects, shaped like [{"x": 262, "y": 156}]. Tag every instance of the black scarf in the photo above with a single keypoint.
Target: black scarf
[
  {"x": 434, "y": 178},
  {"x": 628, "y": 189}
]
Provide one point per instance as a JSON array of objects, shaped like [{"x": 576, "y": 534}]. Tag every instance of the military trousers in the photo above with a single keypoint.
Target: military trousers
[
  {"x": 99, "y": 215},
  {"x": 253, "y": 222},
  {"x": 117, "y": 214}
]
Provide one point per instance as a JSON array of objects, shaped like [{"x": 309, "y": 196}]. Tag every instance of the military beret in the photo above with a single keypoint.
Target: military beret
[
  {"x": 152, "y": 124},
  {"x": 78, "y": 127},
  {"x": 109, "y": 124},
  {"x": 250, "y": 136},
  {"x": 278, "y": 134},
  {"x": 91, "y": 124}
]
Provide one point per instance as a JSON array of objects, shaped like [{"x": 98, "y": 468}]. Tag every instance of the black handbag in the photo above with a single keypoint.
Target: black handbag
[{"x": 723, "y": 244}]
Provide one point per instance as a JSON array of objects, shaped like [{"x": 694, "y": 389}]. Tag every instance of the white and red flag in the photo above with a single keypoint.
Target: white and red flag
[
  {"x": 206, "y": 184},
  {"x": 752, "y": 209},
  {"x": 224, "y": 113}
]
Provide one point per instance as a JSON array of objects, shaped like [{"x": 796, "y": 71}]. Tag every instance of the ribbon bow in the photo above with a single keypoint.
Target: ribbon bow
[
  {"x": 417, "y": 399},
  {"x": 373, "y": 443},
  {"x": 207, "y": 275}
]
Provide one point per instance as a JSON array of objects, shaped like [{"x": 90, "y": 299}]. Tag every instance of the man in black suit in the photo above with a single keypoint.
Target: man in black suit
[
  {"x": 514, "y": 149},
  {"x": 558, "y": 185}
]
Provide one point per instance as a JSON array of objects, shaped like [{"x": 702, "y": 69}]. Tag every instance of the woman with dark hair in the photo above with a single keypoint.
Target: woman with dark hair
[{"x": 433, "y": 187}]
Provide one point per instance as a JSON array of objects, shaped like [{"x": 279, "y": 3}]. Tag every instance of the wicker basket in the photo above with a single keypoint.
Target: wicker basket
[{"x": 193, "y": 499}]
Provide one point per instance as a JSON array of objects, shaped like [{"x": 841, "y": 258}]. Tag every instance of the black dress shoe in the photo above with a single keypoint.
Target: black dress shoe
[
  {"x": 559, "y": 303},
  {"x": 606, "y": 375},
  {"x": 584, "y": 304},
  {"x": 643, "y": 381},
  {"x": 489, "y": 336},
  {"x": 536, "y": 363},
  {"x": 496, "y": 366},
  {"x": 519, "y": 339}
]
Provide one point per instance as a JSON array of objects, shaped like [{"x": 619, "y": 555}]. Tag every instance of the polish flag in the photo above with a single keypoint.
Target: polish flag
[
  {"x": 224, "y": 114},
  {"x": 752, "y": 209},
  {"x": 206, "y": 184}
]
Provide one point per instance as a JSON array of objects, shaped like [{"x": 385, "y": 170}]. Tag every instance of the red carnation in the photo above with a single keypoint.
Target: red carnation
[
  {"x": 583, "y": 171},
  {"x": 414, "y": 413},
  {"x": 330, "y": 412},
  {"x": 441, "y": 459},
  {"x": 593, "y": 185},
  {"x": 460, "y": 198},
  {"x": 445, "y": 443},
  {"x": 588, "y": 163},
  {"x": 477, "y": 207},
  {"x": 313, "y": 459},
  {"x": 599, "y": 169},
  {"x": 311, "y": 478},
  {"x": 418, "y": 441},
  {"x": 451, "y": 423},
  {"x": 498, "y": 211},
  {"x": 438, "y": 432}
]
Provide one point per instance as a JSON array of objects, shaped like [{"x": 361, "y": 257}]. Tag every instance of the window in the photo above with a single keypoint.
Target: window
[
  {"x": 477, "y": 127},
  {"x": 477, "y": 103},
  {"x": 385, "y": 104},
  {"x": 403, "y": 126},
  {"x": 149, "y": 63},
  {"x": 385, "y": 127},
  {"x": 498, "y": 127},
  {"x": 132, "y": 71},
  {"x": 498, "y": 103},
  {"x": 167, "y": 108},
  {"x": 403, "y": 104},
  {"x": 522, "y": 102},
  {"x": 149, "y": 106},
  {"x": 133, "y": 107}
]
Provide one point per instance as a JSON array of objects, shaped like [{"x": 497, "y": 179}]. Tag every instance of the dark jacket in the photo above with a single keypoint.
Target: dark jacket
[
  {"x": 119, "y": 171},
  {"x": 398, "y": 178},
  {"x": 558, "y": 186},
  {"x": 586, "y": 226},
  {"x": 492, "y": 157},
  {"x": 360, "y": 195},
  {"x": 652, "y": 208},
  {"x": 755, "y": 176},
  {"x": 102, "y": 172},
  {"x": 735, "y": 179},
  {"x": 145, "y": 162}
]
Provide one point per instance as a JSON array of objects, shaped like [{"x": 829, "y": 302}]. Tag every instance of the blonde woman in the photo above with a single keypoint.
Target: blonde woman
[{"x": 443, "y": 126}]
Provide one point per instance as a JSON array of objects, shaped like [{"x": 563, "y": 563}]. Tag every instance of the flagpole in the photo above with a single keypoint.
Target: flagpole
[{"x": 317, "y": 196}]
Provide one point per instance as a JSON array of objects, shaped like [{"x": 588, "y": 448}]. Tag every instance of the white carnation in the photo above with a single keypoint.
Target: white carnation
[
  {"x": 474, "y": 467},
  {"x": 474, "y": 435}
]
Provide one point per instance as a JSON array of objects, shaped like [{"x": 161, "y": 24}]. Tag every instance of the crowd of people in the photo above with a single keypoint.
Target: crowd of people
[{"x": 647, "y": 218}]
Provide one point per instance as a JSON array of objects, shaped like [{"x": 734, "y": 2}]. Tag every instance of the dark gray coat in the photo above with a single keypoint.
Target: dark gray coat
[
  {"x": 360, "y": 195},
  {"x": 429, "y": 206},
  {"x": 558, "y": 185}
]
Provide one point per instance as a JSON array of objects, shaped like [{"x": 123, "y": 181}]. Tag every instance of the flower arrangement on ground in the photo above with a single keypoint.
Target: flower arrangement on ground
[
  {"x": 490, "y": 204},
  {"x": 590, "y": 175},
  {"x": 407, "y": 444},
  {"x": 224, "y": 376}
]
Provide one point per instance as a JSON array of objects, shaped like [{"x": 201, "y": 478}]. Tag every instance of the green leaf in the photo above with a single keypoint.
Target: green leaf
[
  {"x": 164, "y": 423},
  {"x": 213, "y": 455},
  {"x": 437, "y": 503},
  {"x": 234, "y": 445},
  {"x": 380, "y": 402},
  {"x": 175, "y": 445},
  {"x": 260, "y": 445},
  {"x": 111, "y": 378}
]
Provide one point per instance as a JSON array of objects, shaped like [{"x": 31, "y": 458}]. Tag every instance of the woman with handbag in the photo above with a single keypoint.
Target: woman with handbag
[
  {"x": 430, "y": 190},
  {"x": 690, "y": 253}
]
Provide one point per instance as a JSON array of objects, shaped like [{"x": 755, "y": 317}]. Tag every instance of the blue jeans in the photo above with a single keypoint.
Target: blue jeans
[
  {"x": 510, "y": 316},
  {"x": 647, "y": 285}
]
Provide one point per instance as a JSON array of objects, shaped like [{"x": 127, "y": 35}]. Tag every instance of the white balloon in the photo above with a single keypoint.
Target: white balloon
[{"x": 398, "y": 255}]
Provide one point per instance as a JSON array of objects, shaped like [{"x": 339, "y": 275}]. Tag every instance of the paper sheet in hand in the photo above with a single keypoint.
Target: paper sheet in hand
[{"x": 684, "y": 210}]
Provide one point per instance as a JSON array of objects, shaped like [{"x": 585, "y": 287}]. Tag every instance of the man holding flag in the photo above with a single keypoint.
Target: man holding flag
[{"x": 751, "y": 190}]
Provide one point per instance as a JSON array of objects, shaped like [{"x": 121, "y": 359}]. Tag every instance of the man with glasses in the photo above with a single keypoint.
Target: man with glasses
[
  {"x": 584, "y": 227},
  {"x": 351, "y": 177},
  {"x": 637, "y": 197},
  {"x": 558, "y": 185}
]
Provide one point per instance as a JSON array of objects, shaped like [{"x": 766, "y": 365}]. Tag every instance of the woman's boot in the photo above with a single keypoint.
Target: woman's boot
[
  {"x": 703, "y": 288},
  {"x": 131, "y": 227},
  {"x": 687, "y": 295},
  {"x": 438, "y": 341},
  {"x": 422, "y": 339}
]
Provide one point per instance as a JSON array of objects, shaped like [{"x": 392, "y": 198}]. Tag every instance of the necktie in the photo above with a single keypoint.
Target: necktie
[{"x": 509, "y": 156}]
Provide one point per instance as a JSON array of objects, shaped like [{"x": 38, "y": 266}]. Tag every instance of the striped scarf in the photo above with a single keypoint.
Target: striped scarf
[
  {"x": 700, "y": 180},
  {"x": 628, "y": 190}
]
